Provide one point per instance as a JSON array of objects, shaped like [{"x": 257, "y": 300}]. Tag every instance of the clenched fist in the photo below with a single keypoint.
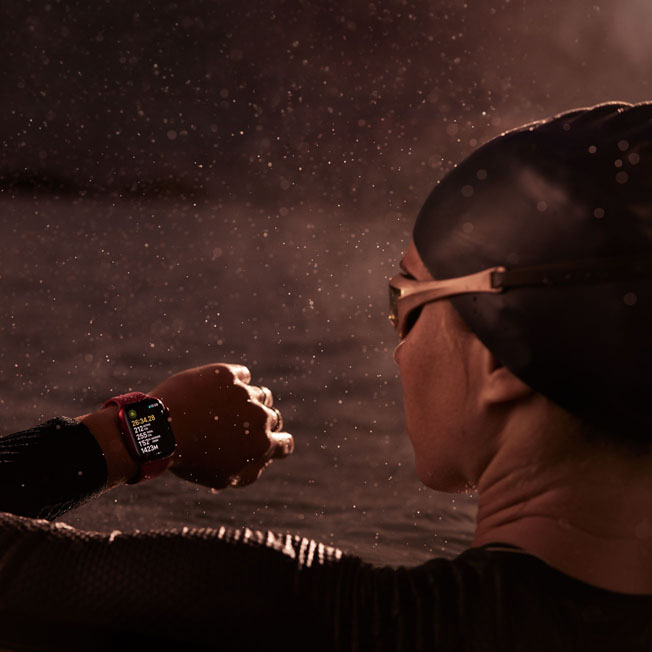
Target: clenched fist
[{"x": 227, "y": 430}]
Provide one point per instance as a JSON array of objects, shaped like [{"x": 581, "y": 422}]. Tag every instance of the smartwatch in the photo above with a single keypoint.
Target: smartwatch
[{"x": 146, "y": 432}]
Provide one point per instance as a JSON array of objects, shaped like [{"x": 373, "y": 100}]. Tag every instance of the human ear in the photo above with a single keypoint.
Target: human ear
[{"x": 499, "y": 384}]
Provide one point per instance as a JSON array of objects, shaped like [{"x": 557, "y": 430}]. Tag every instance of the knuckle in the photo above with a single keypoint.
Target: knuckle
[
  {"x": 240, "y": 393},
  {"x": 232, "y": 370},
  {"x": 226, "y": 371},
  {"x": 241, "y": 372},
  {"x": 252, "y": 392}
]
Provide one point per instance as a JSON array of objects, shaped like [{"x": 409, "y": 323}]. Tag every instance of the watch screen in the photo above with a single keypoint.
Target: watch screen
[{"x": 149, "y": 428}]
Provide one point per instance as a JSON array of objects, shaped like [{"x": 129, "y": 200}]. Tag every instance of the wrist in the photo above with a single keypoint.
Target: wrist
[{"x": 103, "y": 425}]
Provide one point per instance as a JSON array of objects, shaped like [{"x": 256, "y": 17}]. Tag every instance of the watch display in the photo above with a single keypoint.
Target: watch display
[{"x": 147, "y": 425}]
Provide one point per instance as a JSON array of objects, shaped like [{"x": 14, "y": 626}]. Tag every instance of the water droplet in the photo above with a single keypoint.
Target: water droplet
[{"x": 630, "y": 299}]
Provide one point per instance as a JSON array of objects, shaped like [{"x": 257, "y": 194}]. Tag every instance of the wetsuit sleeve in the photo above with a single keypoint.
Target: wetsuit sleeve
[
  {"x": 50, "y": 469},
  {"x": 205, "y": 589}
]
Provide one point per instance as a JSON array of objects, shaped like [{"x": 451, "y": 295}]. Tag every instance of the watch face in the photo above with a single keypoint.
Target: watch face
[{"x": 147, "y": 422}]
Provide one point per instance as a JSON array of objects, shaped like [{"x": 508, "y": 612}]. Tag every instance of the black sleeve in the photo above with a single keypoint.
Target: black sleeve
[
  {"x": 50, "y": 469},
  {"x": 208, "y": 589}
]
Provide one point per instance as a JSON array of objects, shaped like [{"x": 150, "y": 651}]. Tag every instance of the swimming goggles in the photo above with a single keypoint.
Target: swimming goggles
[{"x": 406, "y": 294}]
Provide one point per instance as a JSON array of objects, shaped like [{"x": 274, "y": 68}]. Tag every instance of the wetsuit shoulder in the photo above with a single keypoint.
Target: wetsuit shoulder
[{"x": 511, "y": 600}]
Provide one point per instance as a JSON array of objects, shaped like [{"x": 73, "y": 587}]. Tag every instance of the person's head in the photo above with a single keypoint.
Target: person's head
[{"x": 565, "y": 206}]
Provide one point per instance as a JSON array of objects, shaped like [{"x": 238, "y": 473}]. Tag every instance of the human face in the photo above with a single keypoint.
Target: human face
[{"x": 436, "y": 361}]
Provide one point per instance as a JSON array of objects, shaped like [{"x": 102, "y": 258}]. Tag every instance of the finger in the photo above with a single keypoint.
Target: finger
[
  {"x": 239, "y": 371},
  {"x": 281, "y": 445},
  {"x": 262, "y": 394},
  {"x": 274, "y": 418},
  {"x": 278, "y": 426}
]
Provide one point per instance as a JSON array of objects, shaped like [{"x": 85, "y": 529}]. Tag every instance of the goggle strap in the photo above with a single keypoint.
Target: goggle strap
[{"x": 589, "y": 271}]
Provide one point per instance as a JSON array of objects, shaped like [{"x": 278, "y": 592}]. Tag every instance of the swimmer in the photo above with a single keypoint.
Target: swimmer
[{"x": 523, "y": 310}]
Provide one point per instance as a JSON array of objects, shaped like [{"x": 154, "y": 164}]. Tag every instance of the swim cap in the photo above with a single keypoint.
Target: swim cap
[{"x": 574, "y": 188}]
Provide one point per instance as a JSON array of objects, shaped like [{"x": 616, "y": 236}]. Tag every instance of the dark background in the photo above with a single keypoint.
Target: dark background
[{"x": 359, "y": 102}]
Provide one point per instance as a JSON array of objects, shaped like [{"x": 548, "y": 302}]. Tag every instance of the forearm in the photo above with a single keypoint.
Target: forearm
[
  {"x": 103, "y": 424},
  {"x": 49, "y": 469}
]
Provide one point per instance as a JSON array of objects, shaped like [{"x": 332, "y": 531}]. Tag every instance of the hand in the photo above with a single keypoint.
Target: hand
[{"x": 226, "y": 429}]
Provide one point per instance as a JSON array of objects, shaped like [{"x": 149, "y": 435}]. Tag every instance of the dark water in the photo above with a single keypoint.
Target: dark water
[{"x": 104, "y": 296}]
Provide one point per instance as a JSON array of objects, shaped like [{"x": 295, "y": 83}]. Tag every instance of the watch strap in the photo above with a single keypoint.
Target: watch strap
[{"x": 125, "y": 399}]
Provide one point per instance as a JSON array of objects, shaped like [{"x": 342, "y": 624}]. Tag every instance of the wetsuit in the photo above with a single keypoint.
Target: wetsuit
[{"x": 66, "y": 589}]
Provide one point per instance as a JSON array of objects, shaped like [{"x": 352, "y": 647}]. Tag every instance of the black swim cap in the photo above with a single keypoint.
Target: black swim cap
[{"x": 573, "y": 188}]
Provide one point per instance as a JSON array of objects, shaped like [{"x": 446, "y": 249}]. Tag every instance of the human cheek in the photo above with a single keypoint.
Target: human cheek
[
  {"x": 397, "y": 352},
  {"x": 414, "y": 380}
]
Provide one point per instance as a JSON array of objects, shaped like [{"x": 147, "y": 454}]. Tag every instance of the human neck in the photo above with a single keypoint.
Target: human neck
[{"x": 585, "y": 509}]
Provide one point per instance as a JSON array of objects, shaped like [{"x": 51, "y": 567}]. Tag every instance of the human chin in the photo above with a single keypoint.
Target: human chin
[{"x": 437, "y": 472}]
